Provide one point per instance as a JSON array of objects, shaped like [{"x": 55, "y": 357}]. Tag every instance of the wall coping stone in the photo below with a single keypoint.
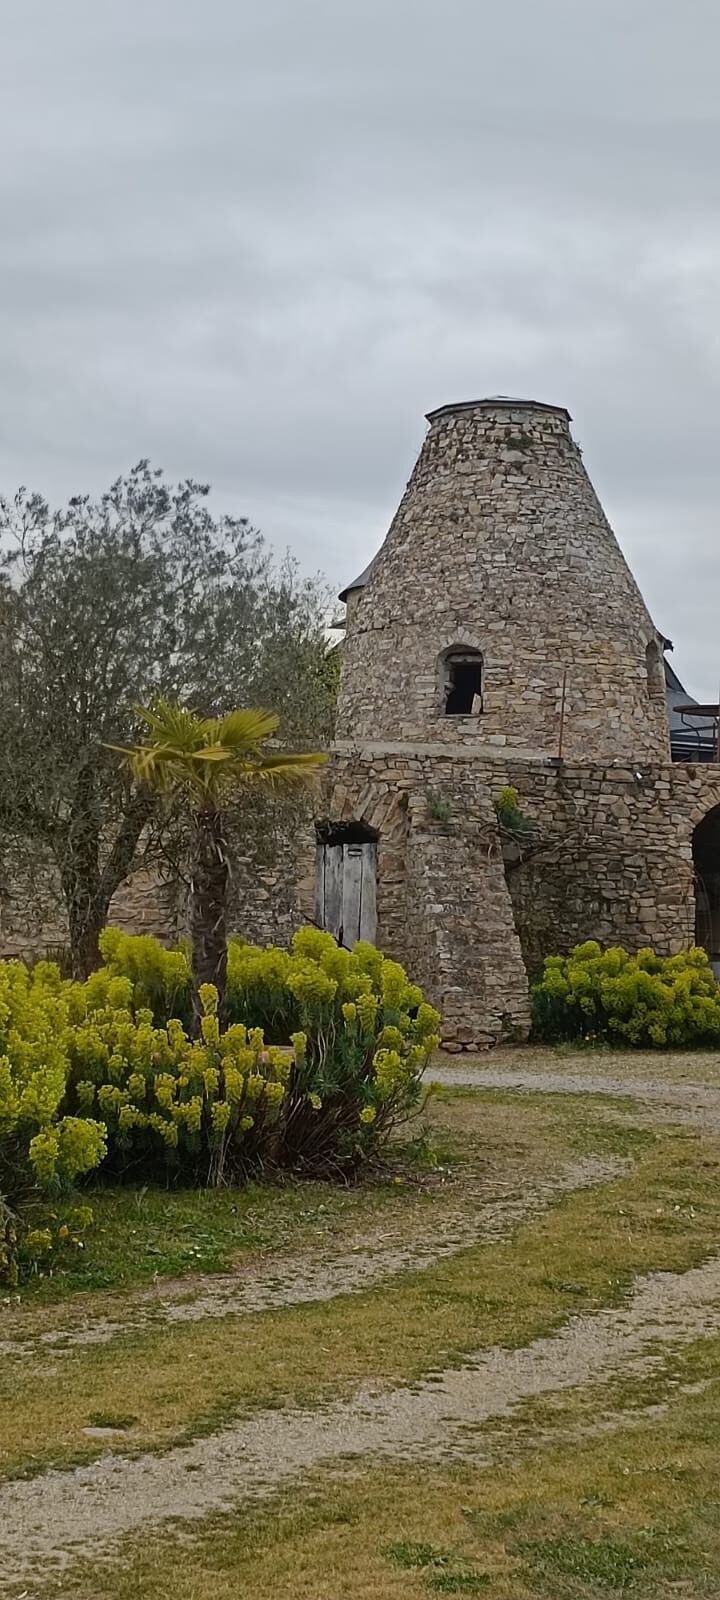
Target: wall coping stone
[{"x": 500, "y": 754}]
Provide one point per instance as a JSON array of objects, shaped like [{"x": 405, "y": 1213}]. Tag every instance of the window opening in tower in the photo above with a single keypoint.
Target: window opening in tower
[{"x": 463, "y": 690}]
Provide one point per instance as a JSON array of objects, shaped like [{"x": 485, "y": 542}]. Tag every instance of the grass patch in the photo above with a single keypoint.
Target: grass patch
[
  {"x": 445, "y": 1571},
  {"x": 632, "y": 1511},
  {"x": 191, "y": 1378},
  {"x": 140, "y": 1235},
  {"x": 584, "y": 1124},
  {"x": 604, "y": 1563}
]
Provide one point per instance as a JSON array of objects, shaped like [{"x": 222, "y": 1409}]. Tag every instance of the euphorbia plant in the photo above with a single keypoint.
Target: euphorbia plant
[{"x": 206, "y": 761}]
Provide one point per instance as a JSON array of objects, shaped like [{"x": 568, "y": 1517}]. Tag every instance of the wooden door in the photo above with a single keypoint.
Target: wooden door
[{"x": 346, "y": 900}]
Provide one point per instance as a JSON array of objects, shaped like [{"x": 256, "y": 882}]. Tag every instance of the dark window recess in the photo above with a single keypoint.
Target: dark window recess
[
  {"x": 463, "y": 686},
  {"x": 706, "y": 859}
]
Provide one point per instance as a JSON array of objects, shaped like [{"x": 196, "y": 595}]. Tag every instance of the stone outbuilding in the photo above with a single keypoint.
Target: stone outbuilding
[{"x": 498, "y": 642}]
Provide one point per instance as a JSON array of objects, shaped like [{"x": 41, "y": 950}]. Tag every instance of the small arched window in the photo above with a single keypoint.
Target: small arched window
[
  {"x": 461, "y": 682},
  {"x": 655, "y": 670}
]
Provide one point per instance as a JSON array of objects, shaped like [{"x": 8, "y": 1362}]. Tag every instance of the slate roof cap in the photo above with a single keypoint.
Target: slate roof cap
[{"x": 493, "y": 401}]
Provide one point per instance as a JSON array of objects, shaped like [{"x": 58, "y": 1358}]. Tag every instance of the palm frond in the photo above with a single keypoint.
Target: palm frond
[
  {"x": 243, "y": 729},
  {"x": 285, "y": 767},
  {"x": 210, "y": 755},
  {"x": 149, "y": 767},
  {"x": 172, "y": 724},
  {"x": 212, "y": 752}
]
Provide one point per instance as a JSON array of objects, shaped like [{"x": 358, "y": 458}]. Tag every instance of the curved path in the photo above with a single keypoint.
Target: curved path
[
  {"x": 56, "y": 1518},
  {"x": 306, "y": 1275},
  {"x": 697, "y": 1104},
  {"x": 61, "y": 1516}
]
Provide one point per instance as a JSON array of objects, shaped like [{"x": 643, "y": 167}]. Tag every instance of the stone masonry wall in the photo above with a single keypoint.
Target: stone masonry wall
[
  {"x": 460, "y": 937},
  {"x": 443, "y": 905},
  {"x": 609, "y": 857},
  {"x": 468, "y": 909},
  {"x": 262, "y": 907},
  {"x": 613, "y": 858},
  {"x": 500, "y": 545}
]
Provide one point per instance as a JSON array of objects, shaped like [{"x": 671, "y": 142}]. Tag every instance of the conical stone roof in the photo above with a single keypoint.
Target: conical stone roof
[{"x": 500, "y": 546}]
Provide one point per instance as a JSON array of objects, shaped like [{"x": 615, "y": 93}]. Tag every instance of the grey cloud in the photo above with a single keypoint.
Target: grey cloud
[{"x": 257, "y": 243}]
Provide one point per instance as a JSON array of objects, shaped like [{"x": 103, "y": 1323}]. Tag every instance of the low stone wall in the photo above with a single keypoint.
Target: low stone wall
[{"x": 263, "y": 907}]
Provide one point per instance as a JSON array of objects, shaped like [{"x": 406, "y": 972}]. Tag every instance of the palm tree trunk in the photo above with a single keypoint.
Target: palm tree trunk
[{"x": 208, "y": 906}]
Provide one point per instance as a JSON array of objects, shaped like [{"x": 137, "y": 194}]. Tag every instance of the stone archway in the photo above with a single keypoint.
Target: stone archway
[{"x": 706, "y": 860}]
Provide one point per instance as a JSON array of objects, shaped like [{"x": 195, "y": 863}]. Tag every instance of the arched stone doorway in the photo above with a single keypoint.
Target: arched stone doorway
[
  {"x": 346, "y": 881},
  {"x": 706, "y": 859}
]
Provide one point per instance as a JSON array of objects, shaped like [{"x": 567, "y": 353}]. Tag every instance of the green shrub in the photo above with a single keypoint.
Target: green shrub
[
  {"x": 356, "y": 1037},
  {"x": 44, "y": 1146},
  {"x": 324, "y": 1053},
  {"x": 644, "y": 1000}
]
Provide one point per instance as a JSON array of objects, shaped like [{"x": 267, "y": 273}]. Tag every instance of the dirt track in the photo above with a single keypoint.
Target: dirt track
[{"x": 62, "y": 1515}]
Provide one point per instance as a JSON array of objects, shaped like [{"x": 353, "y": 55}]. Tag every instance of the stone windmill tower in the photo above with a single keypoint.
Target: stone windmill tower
[
  {"x": 500, "y": 577},
  {"x": 499, "y": 607}
]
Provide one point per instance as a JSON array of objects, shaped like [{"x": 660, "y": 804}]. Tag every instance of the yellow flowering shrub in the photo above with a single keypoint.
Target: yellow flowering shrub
[
  {"x": 333, "y": 1010},
  {"x": 356, "y": 1031},
  {"x": 324, "y": 1051},
  {"x": 366, "y": 1036},
  {"x": 170, "y": 1100},
  {"x": 39, "y": 1141},
  {"x": 642, "y": 1000},
  {"x": 44, "y": 1144},
  {"x": 160, "y": 979}
]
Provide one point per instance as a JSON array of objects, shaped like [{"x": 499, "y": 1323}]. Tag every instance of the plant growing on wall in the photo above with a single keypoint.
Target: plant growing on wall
[
  {"x": 507, "y": 807},
  {"x": 205, "y": 761},
  {"x": 105, "y": 604},
  {"x": 439, "y": 808}
]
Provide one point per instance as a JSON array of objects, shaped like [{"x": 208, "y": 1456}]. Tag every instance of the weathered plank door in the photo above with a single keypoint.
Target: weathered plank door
[{"x": 346, "y": 901}]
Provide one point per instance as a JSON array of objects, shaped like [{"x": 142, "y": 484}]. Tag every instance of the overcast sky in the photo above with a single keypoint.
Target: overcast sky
[{"x": 257, "y": 239}]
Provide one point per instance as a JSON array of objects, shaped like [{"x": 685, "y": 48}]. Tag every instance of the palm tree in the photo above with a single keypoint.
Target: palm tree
[{"x": 207, "y": 760}]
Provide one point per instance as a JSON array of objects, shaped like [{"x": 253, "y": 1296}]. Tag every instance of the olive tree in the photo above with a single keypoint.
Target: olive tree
[{"x": 108, "y": 604}]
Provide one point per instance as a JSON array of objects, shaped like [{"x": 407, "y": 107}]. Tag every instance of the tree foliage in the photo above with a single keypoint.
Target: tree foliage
[{"x": 106, "y": 604}]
